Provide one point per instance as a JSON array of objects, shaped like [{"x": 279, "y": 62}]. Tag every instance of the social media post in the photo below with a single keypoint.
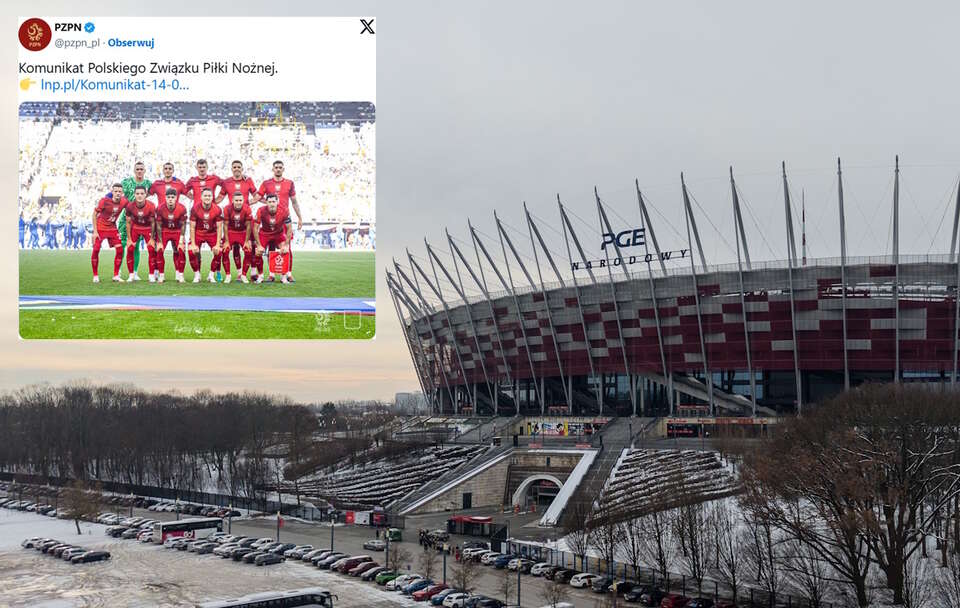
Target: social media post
[{"x": 207, "y": 178}]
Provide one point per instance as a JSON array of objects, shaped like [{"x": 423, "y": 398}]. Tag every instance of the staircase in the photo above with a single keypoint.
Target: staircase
[{"x": 405, "y": 503}]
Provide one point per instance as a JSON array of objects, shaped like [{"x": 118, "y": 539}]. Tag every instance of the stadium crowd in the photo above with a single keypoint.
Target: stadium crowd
[{"x": 68, "y": 162}]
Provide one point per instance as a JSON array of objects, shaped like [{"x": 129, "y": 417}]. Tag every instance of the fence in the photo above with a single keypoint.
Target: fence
[
  {"x": 747, "y": 597},
  {"x": 260, "y": 503}
]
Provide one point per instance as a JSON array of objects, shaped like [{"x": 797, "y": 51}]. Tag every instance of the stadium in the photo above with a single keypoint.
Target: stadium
[
  {"x": 504, "y": 325},
  {"x": 71, "y": 153}
]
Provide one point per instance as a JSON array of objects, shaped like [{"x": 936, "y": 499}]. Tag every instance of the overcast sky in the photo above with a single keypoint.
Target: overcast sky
[{"x": 485, "y": 107}]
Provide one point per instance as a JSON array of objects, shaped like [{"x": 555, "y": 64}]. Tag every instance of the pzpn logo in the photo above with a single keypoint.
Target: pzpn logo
[{"x": 35, "y": 34}]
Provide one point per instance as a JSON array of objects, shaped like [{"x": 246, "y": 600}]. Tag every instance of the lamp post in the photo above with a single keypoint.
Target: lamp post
[
  {"x": 131, "y": 504},
  {"x": 178, "y": 508},
  {"x": 230, "y": 519}
]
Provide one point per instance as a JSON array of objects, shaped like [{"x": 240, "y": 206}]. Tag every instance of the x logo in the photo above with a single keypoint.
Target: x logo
[{"x": 367, "y": 26}]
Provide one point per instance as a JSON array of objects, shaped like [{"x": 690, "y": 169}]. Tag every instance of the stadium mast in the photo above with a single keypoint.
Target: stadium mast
[
  {"x": 486, "y": 294},
  {"x": 791, "y": 261},
  {"x": 743, "y": 302},
  {"x": 565, "y": 224},
  {"x": 531, "y": 229},
  {"x": 896, "y": 267},
  {"x": 688, "y": 213},
  {"x": 843, "y": 276},
  {"x": 406, "y": 338},
  {"x": 473, "y": 326},
  {"x": 646, "y": 224},
  {"x": 605, "y": 222}
]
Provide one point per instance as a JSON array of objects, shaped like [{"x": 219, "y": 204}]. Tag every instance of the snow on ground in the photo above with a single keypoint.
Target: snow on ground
[{"x": 146, "y": 574}]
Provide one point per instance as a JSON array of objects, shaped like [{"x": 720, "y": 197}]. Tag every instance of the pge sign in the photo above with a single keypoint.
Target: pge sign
[{"x": 626, "y": 238}]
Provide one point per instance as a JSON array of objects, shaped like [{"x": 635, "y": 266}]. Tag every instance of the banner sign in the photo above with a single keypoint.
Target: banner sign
[{"x": 666, "y": 256}]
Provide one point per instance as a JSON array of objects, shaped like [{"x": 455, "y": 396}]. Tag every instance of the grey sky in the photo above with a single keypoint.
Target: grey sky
[{"x": 485, "y": 106}]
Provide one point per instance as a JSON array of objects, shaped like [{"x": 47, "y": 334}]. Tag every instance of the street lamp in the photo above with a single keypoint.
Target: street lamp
[{"x": 178, "y": 508}]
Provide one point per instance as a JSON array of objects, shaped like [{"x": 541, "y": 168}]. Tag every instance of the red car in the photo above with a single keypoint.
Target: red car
[
  {"x": 361, "y": 568},
  {"x": 674, "y": 600},
  {"x": 429, "y": 592}
]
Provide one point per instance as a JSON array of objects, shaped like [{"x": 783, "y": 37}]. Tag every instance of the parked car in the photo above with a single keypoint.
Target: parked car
[
  {"x": 416, "y": 585},
  {"x": 584, "y": 579},
  {"x": 351, "y": 563},
  {"x": 564, "y": 576},
  {"x": 455, "y": 600},
  {"x": 375, "y": 545},
  {"x": 385, "y": 577},
  {"x": 69, "y": 553},
  {"x": 725, "y": 604},
  {"x": 602, "y": 584},
  {"x": 298, "y": 551},
  {"x": 145, "y": 536},
  {"x": 428, "y": 592},
  {"x": 400, "y": 582},
  {"x": 488, "y": 558},
  {"x": 250, "y": 557},
  {"x": 373, "y": 573},
  {"x": 540, "y": 568},
  {"x": 222, "y": 551},
  {"x": 129, "y": 533},
  {"x": 674, "y": 600},
  {"x": 437, "y": 599},
  {"x": 268, "y": 559},
  {"x": 90, "y": 556},
  {"x": 206, "y": 547},
  {"x": 522, "y": 564},
  {"x": 361, "y": 568},
  {"x": 700, "y": 602},
  {"x": 645, "y": 594},
  {"x": 309, "y": 556},
  {"x": 27, "y": 543},
  {"x": 325, "y": 563},
  {"x": 239, "y": 553},
  {"x": 501, "y": 562},
  {"x": 283, "y": 548},
  {"x": 488, "y": 602},
  {"x": 622, "y": 587}
]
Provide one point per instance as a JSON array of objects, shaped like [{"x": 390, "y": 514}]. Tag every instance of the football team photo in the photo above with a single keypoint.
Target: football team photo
[{"x": 217, "y": 220}]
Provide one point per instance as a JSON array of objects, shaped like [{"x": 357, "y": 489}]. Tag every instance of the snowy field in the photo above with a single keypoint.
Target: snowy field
[{"x": 146, "y": 575}]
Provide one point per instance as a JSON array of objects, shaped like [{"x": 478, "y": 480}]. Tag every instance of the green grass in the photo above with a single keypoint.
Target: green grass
[
  {"x": 318, "y": 274},
  {"x": 194, "y": 325}
]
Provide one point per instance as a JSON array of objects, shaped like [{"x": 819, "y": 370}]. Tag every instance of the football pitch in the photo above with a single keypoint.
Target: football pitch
[{"x": 333, "y": 298}]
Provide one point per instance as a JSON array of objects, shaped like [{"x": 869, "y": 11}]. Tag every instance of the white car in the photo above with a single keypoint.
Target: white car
[
  {"x": 222, "y": 550},
  {"x": 455, "y": 600},
  {"x": 539, "y": 568},
  {"x": 402, "y": 581},
  {"x": 261, "y": 543},
  {"x": 489, "y": 558},
  {"x": 473, "y": 552},
  {"x": 584, "y": 579}
]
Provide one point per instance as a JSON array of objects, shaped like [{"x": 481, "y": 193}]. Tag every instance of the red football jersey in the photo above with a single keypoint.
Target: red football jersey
[
  {"x": 196, "y": 184},
  {"x": 141, "y": 217},
  {"x": 283, "y": 189},
  {"x": 108, "y": 210},
  {"x": 244, "y": 186},
  {"x": 159, "y": 189},
  {"x": 272, "y": 225},
  {"x": 207, "y": 219},
  {"x": 237, "y": 220},
  {"x": 172, "y": 219}
]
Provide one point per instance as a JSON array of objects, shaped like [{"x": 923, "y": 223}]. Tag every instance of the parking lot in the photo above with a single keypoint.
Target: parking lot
[{"x": 140, "y": 573}]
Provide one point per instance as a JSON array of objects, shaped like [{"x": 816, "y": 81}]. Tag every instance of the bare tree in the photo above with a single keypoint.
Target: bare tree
[
  {"x": 507, "y": 585},
  {"x": 807, "y": 572},
  {"x": 657, "y": 542},
  {"x": 762, "y": 545},
  {"x": 631, "y": 543},
  {"x": 428, "y": 563},
  {"x": 692, "y": 529},
  {"x": 464, "y": 575},
  {"x": 554, "y": 593},
  {"x": 81, "y": 501},
  {"x": 917, "y": 588},
  {"x": 946, "y": 582},
  {"x": 576, "y": 528},
  {"x": 729, "y": 558},
  {"x": 606, "y": 536},
  {"x": 399, "y": 558}
]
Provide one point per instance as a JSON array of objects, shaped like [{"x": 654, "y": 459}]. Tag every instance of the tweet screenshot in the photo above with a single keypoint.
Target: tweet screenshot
[{"x": 201, "y": 178}]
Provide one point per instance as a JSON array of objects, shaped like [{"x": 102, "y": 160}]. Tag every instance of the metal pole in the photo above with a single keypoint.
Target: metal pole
[
  {"x": 332, "y": 518},
  {"x": 743, "y": 301},
  {"x": 843, "y": 275},
  {"x": 646, "y": 225},
  {"x": 791, "y": 259},
  {"x": 688, "y": 211},
  {"x": 896, "y": 266}
]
